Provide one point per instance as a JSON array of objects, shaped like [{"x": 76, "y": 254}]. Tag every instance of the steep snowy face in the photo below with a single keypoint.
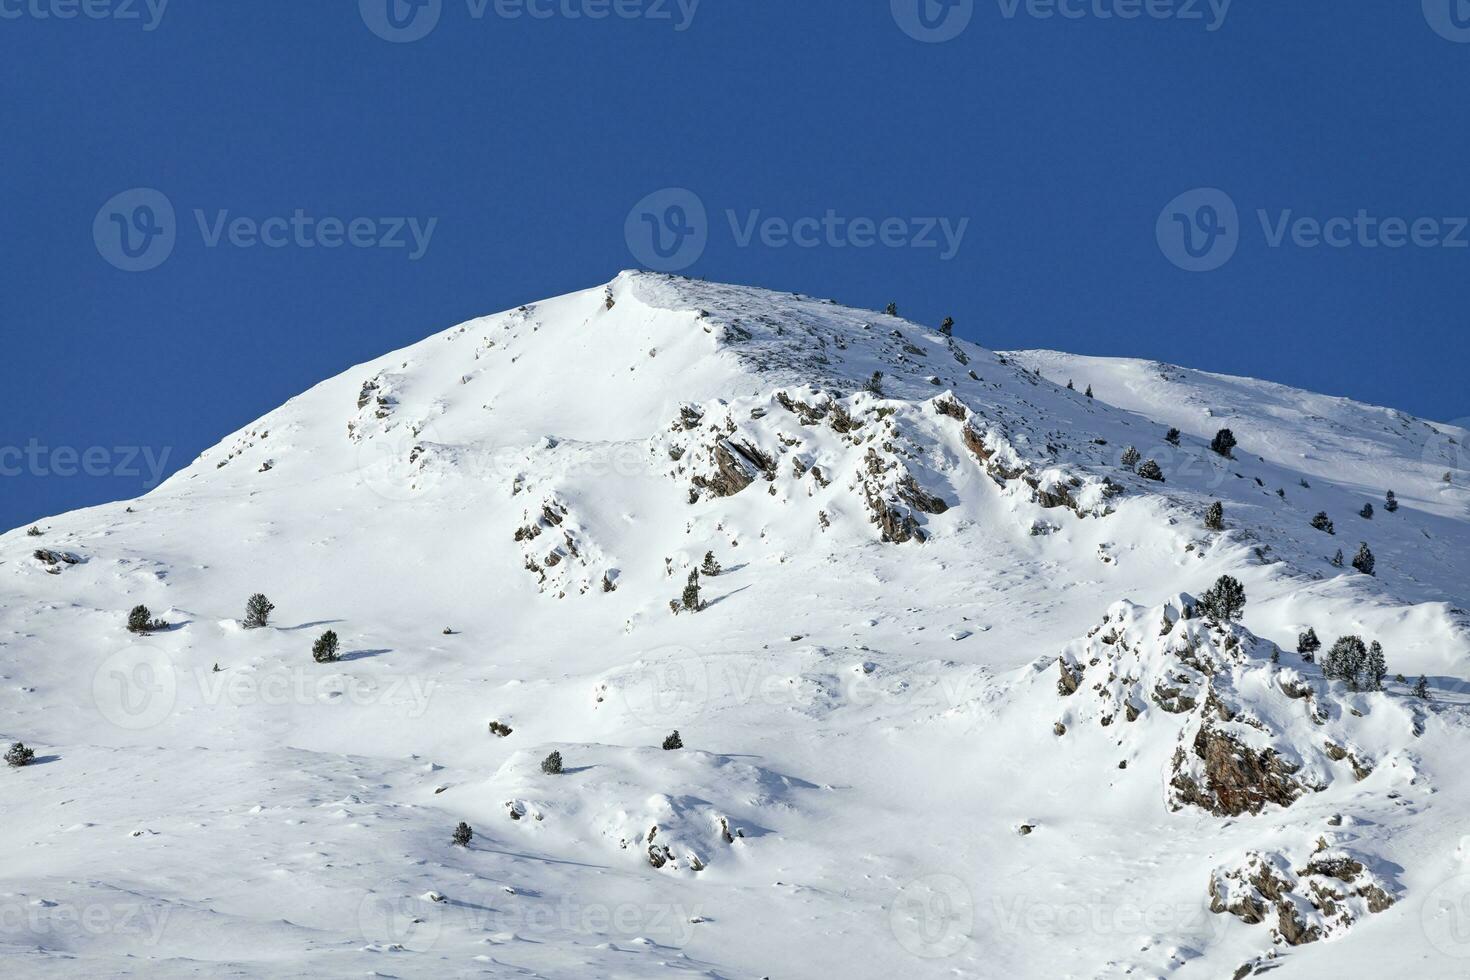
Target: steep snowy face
[{"x": 921, "y": 617}]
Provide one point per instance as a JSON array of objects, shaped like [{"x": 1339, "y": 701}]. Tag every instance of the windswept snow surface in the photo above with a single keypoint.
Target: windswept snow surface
[{"x": 883, "y": 771}]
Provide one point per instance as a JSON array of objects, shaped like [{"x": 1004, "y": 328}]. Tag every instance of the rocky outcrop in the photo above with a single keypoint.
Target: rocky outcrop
[
  {"x": 737, "y": 464},
  {"x": 1249, "y": 732},
  {"x": 1304, "y": 902}
]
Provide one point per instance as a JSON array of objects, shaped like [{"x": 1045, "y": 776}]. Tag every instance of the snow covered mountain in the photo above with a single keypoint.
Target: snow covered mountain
[{"x": 955, "y": 703}]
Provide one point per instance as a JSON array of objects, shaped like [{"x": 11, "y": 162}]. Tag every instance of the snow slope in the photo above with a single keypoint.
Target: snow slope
[{"x": 495, "y": 521}]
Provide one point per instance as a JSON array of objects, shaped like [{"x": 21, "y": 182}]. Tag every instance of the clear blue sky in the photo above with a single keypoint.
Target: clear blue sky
[{"x": 1060, "y": 139}]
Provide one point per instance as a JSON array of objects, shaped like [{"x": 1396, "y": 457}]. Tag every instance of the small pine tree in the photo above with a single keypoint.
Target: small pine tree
[
  {"x": 1346, "y": 660},
  {"x": 673, "y": 742},
  {"x": 34, "y": 532},
  {"x": 1307, "y": 645},
  {"x": 1130, "y": 458},
  {"x": 947, "y": 327},
  {"x": 1323, "y": 523},
  {"x": 1070, "y": 385},
  {"x": 1375, "y": 666},
  {"x": 551, "y": 765},
  {"x": 1421, "y": 688},
  {"x": 1337, "y": 559},
  {"x": 1367, "y": 512},
  {"x": 1225, "y": 600},
  {"x": 690, "y": 598},
  {"x": 324, "y": 650},
  {"x": 874, "y": 385},
  {"x": 1215, "y": 517},
  {"x": 891, "y": 309},
  {"x": 257, "y": 611},
  {"x": 1448, "y": 477},
  {"x": 1088, "y": 392},
  {"x": 1364, "y": 561},
  {"x": 19, "y": 755},
  {"x": 1390, "y": 502},
  {"x": 1151, "y": 470},
  {"x": 1172, "y": 437},
  {"x": 140, "y": 620},
  {"x": 710, "y": 566},
  {"x": 1224, "y": 443},
  {"x": 463, "y": 834}
]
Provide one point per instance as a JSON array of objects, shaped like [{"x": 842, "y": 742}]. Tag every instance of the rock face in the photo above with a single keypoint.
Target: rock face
[
  {"x": 1306, "y": 901},
  {"x": 1251, "y": 730}
]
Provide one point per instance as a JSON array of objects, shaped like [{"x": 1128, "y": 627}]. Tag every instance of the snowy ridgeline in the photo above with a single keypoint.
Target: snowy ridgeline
[{"x": 678, "y": 626}]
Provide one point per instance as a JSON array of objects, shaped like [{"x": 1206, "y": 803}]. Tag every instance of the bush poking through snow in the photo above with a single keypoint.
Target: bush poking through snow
[
  {"x": 258, "y": 611},
  {"x": 1224, "y": 443},
  {"x": 1225, "y": 600},
  {"x": 551, "y": 765},
  {"x": 1130, "y": 458},
  {"x": 1307, "y": 645},
  {"x": 1390, "y": 502},
  {"x": 324, "y": 650},
  {"x": 1215, "y": 517},
  {"x": 673, "y": 742},
  {"x": 1364, "y": 561},
  {"x": 874, "y": 385},
  {"x": 141, "y": 621},
  {"x": 463, "y": 834},
  {"x": 1172, "y": 437},
  {"x": 947, "y": 327},
  {"x": 19, "y": 755},
  {"x": 496, "y": 728},
  {"x": 891, "y": 309},
  {"x": 34, "y": 532},
  {"x": 1337, "y": 558},
  {"x": 1421, "y": 688},
  {"x": 1367, "y": 512},
  {"x": 1151, "y": 470},
  {"x": 1088, "y": 392},
  {"x": 710, "y": 566},
  {"x": 1323, "y": 523}
]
